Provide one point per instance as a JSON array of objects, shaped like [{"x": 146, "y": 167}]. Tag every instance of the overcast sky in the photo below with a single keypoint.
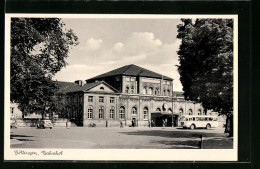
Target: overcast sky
[{"x": 107, "y": 44}]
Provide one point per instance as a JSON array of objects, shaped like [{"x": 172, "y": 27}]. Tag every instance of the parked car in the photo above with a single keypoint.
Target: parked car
[{"x": 44, "y": 124}]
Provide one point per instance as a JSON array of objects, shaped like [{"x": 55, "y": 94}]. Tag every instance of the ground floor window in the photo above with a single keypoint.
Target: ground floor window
[
  {"x": 112, "y": 113},
  {"x": 145, "y": 113},
  {"x": 101, "y": 113},
  {"x": 90, "y": 112},
  {"x": 122, "y": 113}
]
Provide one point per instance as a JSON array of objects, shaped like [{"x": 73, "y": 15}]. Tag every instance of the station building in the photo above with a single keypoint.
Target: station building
[{"x": 129, "y": 94}]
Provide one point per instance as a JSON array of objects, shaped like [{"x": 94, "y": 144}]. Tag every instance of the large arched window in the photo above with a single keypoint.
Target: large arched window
[
  {"x": 122, "y": 112},
  {"x": 145, "y": 90},
  {"x": 112, "y": 113},
  {"x": 150, "y": 91},
  {"x": 190, "y": 112},
  {"x": 134, "y": 110},
  {"x": 156, "y": 92},
  {"x": 181, "y": 111},
  {"x": 145, "y": 111},
  {"x": 90, "y": 112},
  {"x": 101, "y": 113}
]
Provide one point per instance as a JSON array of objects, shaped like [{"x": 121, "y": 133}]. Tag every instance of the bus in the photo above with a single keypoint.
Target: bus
[{"x": 193, "y": 122}]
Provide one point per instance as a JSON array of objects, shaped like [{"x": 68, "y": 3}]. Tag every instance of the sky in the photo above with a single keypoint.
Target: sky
[{"x": 109, "y": 43}]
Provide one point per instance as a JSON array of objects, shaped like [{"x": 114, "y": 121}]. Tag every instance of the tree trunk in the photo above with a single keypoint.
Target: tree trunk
[{"x": 229, "y": 125}]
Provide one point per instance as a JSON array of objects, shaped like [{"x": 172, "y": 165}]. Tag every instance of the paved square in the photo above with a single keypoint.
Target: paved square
[{"x": 117, "y": 138}]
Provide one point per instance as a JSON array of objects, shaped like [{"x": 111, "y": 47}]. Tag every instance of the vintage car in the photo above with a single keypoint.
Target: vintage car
[{"x": 44, "y": 124}]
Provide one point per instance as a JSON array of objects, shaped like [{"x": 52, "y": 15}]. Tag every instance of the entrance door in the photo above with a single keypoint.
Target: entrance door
[{"x": 133, "y": 122}]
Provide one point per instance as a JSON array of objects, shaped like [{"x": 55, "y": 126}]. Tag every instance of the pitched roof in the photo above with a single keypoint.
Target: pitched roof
[
  {"x": 68, "y": 87},
  {"x": 132, "y": 70}
]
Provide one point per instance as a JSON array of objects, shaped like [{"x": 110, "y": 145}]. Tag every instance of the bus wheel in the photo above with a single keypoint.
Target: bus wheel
[
  {"x": 192, "y": 127},
  {"x": 208, "y": 126}
]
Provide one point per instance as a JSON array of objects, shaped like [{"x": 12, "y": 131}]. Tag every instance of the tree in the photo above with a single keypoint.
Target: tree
[
  {"x": 39, "y": 47},
  {"x": 206, "y": 63}
]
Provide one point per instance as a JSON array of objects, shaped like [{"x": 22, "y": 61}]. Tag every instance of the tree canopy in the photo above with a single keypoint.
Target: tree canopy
[
  {"x": 206, "y": 62},
  {"x": 39, "y": 47}
]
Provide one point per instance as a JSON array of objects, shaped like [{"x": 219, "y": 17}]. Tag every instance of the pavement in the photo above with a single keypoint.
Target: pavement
[{"x": 120, "y": 138}]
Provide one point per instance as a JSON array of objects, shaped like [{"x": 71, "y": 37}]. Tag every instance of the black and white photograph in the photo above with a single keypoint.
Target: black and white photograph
[{"x": 121, "y": 87}]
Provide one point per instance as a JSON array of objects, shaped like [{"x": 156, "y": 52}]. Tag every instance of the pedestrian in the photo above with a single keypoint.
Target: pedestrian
[{"x": 121, "y": 124}]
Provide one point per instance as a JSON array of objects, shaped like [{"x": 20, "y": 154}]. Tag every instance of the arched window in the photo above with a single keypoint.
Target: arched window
[
  {"x": 132, "y": 89},
  {"x": 190, "y": 112},
  {"x": 101, "y": 113},
  {"x": 122, "y": 112},
  {"x": 127, "y": 89},
  {"x": 145, "y": 90},
  {"x": 90, "y": 112},
  {"x": 180, "y": 110},
  {"x": 150, "y": 91},
  {"x": 134, "y": 110},
  {"x": 158, "y": 109},
  {"x": 101, "y": 88},
  {"x": 164, "y": 92},
  {"x": 199, "y": 112},
  {"x": 145, "y": 113},
  {"x": 112, "y": 113},
  {"x": 168, "y": 92},
  {"x": 156, "y": 92},
  {"x": 170, "y": 110}
]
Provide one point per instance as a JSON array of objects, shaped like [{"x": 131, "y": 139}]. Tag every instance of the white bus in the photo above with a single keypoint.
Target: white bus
[{"x": 193, "y": 122}]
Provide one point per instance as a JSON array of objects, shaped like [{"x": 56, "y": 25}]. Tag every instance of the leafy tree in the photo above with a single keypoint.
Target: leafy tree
[
  {"x": 206, "y": 63},
  {"x": 39, "y": 47}
]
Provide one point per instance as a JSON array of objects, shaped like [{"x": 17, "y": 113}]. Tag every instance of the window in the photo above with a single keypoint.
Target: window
[
  {"x": 144, "y": 90},
  {"x": 158, "y": 109},
  {"x": 122, "y": 113},
  {"x": 127, "y": 79},
  {"x": 101, "y": 99},
  {"x": 156, "y": 91},
  {"x": 127, "y": 89},
  {"x": 169, "y": 110},
  {"x": 112, "y": 100},
  {"x": 132, "y": 79},
  {"x": 168, "y": 92},
  {"x": 101, "y": 113},
  {"x": 134, "y": 110},
  {"x": 12, "y": 110},
  {"x": 102, "y": 88},
  {"x": 164, "y": 92},
  {"x": 180, "y": 110},
  {"x": 112, "y": 113},
  {"x": 190, "y": 111},
  {"x": 199, "y": 112},
  {"x": 90, "y": 98},
  {"x": 132, "y": 89},
  {"x": 145, "y": 113},
  {"x": 150, "y": 91},
  {"x": 90, "y": 112}
]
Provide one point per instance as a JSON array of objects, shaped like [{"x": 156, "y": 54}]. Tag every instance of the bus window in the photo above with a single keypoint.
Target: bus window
[
  {"x": 193, "y": 118},
  {"x": 210, "y": 119},
  {"x": 197, "y": 119},
  {"x": 190, "y": 119},
  {"x": 215, "y": 119}
]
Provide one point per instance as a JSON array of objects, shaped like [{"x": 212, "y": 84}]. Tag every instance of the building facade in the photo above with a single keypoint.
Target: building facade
[{"x": 129, "y": 95}]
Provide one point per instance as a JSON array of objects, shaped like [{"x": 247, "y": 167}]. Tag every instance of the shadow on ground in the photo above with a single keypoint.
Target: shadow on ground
[
  {"x": 20, "y": 137},
  {"x": 173, "y": 134}
]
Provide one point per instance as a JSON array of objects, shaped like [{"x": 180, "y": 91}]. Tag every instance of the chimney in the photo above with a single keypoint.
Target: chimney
[{"x": 79, "y": 82}]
